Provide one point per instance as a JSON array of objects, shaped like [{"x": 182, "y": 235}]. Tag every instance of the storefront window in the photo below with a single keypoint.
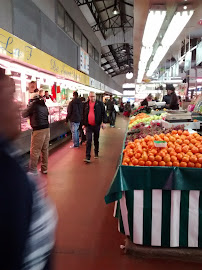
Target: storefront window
[
  {"x": 77, "y": 34},
  {"x": 60, "y": 15},
  {"x": 90, "y": 49},
  {"x": 96, "y": 56},
  {"x": 84, "y": 43},
  {"x": 69, "y": 26}
]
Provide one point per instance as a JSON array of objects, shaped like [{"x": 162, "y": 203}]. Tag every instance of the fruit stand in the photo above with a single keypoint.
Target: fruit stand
[{"x": 157, "y": 188}]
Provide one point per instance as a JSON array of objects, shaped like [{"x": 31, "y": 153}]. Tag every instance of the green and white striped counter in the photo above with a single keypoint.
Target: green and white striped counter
[
  {"x": 161, "y": 218},
  {"x": 159, "y": 206}
]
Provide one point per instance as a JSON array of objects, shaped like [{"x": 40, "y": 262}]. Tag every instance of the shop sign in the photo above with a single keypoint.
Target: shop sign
[
  {"x": 199, "y": 54},
  {"x": 84, "y": 61},
  {"x": 96, "y": 84},
  {"x": 92, "y": 82},
  {"x": 13, "y": 47},
  {"x": 102, "y": 87},
  {"x": 187, "y": 65}
]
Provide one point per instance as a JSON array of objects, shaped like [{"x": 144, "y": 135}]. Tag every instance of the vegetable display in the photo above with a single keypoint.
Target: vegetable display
[{"x": 144, "y": 118}]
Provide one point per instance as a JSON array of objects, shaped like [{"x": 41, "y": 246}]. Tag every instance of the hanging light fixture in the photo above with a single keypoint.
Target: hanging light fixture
[
  {"x": 175, "y": 27},
  {"x": 115, "y": 9},
  {"x": 153, "y": 25},
  {"x": 129, "y": 75}
]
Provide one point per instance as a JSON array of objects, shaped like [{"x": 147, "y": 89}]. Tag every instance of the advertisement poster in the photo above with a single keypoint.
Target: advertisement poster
[{"x": 84, "y": 61}]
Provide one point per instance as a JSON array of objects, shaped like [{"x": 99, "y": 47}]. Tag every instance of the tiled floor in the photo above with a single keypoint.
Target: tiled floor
[{"x": 87, "y": 236}]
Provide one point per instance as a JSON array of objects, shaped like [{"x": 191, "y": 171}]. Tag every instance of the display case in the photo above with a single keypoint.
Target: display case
[{"x": 56, "y": 113}]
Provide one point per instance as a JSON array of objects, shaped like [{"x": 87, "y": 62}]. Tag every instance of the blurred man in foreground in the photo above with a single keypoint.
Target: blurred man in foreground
[{"x": 27, "y": 219}]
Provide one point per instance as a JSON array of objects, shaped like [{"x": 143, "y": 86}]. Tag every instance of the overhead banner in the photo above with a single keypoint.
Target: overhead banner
[
  {"x": 15, "y": 48},
  {"x": 187, "y": 65},
  {"x": 199, "y": 54}
]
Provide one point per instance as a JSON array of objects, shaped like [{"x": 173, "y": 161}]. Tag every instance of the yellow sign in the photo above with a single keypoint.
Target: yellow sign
[{"x": 18, "y": 49}]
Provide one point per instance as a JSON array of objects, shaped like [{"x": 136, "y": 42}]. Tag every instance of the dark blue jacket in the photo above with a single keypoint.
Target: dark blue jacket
[
  {"x": 15, "y": 209},
  {"x": 75, "y": 111}
]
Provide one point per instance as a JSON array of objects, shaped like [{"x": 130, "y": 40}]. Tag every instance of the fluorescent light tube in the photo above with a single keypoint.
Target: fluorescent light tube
[
  {"x": 153, "y": 25},
  {"x": 176, "y": 26}
]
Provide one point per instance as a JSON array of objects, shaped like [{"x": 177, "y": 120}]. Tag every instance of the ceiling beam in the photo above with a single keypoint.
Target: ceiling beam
[
  {"x": 122, "y": 14},
  {"x": 108, "y": 62},
  {"x": 104, "y": 9},
  {"x": 95, "y": 13},
  {"x": 131, "y": 5},
  {"x": 114, "y": 55}
]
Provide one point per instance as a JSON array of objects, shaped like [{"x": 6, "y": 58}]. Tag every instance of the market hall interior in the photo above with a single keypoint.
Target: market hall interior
[{"x": 131, "y": 69}]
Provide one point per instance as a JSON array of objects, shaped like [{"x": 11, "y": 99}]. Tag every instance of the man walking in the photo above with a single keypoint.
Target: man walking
[
  {"x": 94, "y": 116},
  {"x": 74, "y": 114},
  {"x": 38, "y": 113},
  {"x": 111, "y": 111}
]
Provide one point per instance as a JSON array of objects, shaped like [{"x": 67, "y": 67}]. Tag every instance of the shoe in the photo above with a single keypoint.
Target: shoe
[
  {"x": 33, "y": 173},
  {"x": 96, "y": 156},
  {"x": 87, "y": 160},
  {"x": 44, "y": 172},
  {"x": 113, "y": 126},
  {"x": 72, "y": 146}
]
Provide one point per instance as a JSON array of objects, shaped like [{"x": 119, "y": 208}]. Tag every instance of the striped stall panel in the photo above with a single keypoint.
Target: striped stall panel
[{"x": 161, "y": 217}]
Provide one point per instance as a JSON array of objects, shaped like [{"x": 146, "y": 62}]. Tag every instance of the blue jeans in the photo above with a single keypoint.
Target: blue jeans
[{"x": 75, "y": 133}]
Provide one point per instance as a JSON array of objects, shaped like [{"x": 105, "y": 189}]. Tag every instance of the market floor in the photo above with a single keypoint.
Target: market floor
[{"x": 87, "y": 235}]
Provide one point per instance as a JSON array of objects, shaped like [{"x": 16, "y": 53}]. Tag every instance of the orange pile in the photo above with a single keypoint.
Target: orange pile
[
  {"x": 138, "y": 117},
  {"x": 183, "y": 150}
]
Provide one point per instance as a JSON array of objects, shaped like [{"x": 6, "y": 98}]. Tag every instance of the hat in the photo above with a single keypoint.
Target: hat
[{"x": 170, "y": 87}]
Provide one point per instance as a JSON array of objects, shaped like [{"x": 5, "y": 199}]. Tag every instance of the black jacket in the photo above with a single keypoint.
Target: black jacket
[
  {"x": 110, "y": 106},
  {"x": 167, "y": 98},
  {"x": 15, "y": 209},
  {"x": 174, "y": 105},
  {"x": 144, "y": 102},
  {"x": 100, "y": 113},
  {"x": 75, "y": 111},
  {"x": 38, "y": 113}
]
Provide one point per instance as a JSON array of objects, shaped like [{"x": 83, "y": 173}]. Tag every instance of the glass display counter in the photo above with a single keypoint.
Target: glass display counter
[{"x": 56, "y": 113}]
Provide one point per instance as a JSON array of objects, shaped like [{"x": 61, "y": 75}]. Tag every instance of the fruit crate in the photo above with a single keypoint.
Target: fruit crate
[{"x": 158, "y": 206}]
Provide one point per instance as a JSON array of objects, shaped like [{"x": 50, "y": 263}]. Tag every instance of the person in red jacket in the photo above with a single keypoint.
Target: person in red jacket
[{"x": 94, "y": 117}]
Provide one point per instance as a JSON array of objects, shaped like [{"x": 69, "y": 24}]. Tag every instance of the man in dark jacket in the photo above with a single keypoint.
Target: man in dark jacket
[
  {"x": 111, "y": 112},
  {"x": 94, "y": 116},
  {"x": 38, "y": 113},
  {"x": 74, "y": 114}
]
